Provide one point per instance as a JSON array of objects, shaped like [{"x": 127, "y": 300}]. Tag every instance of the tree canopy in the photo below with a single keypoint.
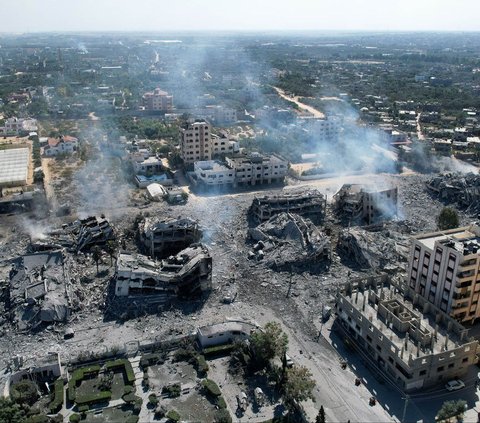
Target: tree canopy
[
  {"x": 448, "y": 219},
  {"x": 270, "y": 343}
]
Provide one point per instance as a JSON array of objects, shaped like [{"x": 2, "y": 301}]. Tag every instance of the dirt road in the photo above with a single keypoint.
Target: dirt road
[{"x": 304, "y": 107}]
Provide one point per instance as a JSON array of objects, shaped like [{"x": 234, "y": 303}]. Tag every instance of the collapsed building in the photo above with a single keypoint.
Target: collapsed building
[
  {"x": 167, "y": 236},
  {"x": 80, "y": 235},
  {"x": 287, "y": 239},
  {"x": 187, "y": 274},
  {"x": 366, "y": 204},
  {"x": 410, "y": 341},
  {"x": 39, "y": 290},
  {"x": 308, "y": 202},
  {"x": 457, "y": 188},
  {"x": 382, "y": 249},
  {"x": 92, "y": 231}
]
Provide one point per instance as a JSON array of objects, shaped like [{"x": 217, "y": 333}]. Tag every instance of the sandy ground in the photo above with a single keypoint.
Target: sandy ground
[{"x": 303, "y": 107}]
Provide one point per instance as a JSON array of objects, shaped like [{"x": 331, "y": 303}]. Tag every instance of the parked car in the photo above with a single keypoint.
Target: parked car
[{"x": 454, "y": 385}]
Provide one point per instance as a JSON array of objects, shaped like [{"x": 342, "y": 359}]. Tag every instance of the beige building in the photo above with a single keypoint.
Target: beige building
[
  {"x": 158, "y": 101},
  {"x": 411, "y": 342},
  {"x": 444, "y": 269},
  {"x": 196, "y": 142}
]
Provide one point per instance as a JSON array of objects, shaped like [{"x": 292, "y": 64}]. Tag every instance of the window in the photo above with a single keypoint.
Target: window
[
  {"x": 450, "y": 366},
  {"x": 422, "y": 373},
  {"x": 441, "y": 369}
]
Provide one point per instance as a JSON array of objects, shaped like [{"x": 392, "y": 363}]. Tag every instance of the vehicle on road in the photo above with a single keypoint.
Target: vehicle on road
[{"x": 454, "y": 385}]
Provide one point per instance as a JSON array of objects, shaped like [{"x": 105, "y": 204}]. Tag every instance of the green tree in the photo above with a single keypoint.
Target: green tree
[
  {"x": 11, "y": 412},
  {"x": 448, "y": 219},
  {"x": 451, "y": 409},
  {"x": 320, "y": 416},
  {"x": 111, "y": 248},
  {"x": 96, "y": 255},
  {"x": 24, "y": 392},
  {"x": 270, "y": 343},
  {"x": 298, "y": 386}
]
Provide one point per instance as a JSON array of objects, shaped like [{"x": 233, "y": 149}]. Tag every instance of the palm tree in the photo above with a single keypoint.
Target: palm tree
[{"x": 96, "y": 255}]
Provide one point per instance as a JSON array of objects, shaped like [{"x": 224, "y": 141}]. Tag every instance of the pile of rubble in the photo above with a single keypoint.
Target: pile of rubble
[
  {"x": 39, "y": 290},
  {"x": 287, "y": 239},
  {"x": 383, "y": 250},
  {"x": 460, "y": 188}
]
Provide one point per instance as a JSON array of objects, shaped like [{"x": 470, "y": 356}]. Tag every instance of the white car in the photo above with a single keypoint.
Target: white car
[{"x": 454, "y": 385}]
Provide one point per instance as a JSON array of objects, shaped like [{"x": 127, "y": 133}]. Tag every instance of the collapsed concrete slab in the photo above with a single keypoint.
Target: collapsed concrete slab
[
  {"x": 308, "y": 202},
  {"x": 457, "y": 188},
  {"x": 92, "y": 231},
  {"x": 289, "y": 239},
  {"x": 160, "y": 237},
  {"x": 38, "y": 291},
  {"x": 187, "y": 274},
  {"x": 366, "y": 204}
]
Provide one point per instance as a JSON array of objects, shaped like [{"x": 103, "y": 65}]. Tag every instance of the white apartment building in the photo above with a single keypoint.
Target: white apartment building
[
  {"x": 257, "y": 168},
  {"x": 214, "y": 173},
  {"x": 196, "y": 142},
  {"x": 158, "y": 100},
  {"x": 222, "y": 145},
  {"x": 444, "y": 269},
  {"x": 323, "y": 129}
]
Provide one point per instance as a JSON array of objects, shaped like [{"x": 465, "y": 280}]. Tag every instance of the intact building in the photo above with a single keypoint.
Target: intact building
[
  {"x": 158, "y": 101},
  {"x": 444, "y": 269},
  {"x": 196, "y": 142},
  {"x": 407, "y": 339}
]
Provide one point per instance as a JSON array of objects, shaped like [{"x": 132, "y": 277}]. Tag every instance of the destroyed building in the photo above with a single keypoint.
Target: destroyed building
[
  {"x": 92, "y": 231},
  {"x": 308, "y": 202},
  {"x": 187, "y": 274},
  {"x": 457, "y": 188},
  {"x": 39, "y": 290},
  {"x": 365, "y": 204},
  {"x": 160, "y": 237},
  {"x": 287, "y": 239},
  {"x": 382, "y": 249},
  {"x": 412, "y": 342}
]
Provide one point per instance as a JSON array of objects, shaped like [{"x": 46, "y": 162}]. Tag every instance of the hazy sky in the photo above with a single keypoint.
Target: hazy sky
[{"x": 243, "y": 15}]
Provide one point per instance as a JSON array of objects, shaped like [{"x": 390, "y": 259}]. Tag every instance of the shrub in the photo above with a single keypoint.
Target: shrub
[
  {"x": 201, "y": 365},
  {"x": 94, "y": 398},
  {"x": 173, "y": 390},
  {"x": 83, "y": 408},
  {"x": 211, "y": 387},
  {"x": 77, "y": 377},
  {"x": 218, "y": 350},
  {"x": 184, "y": 354},
  {"x": 132, "y": 419},
  {"x": 122, "y": 362},
  {"x": 221, "y": 403},
  {"x": 128, "y": 389},
  {"x": 153, "y": 400},
  {"x": 173, "y": 416},
  {"x": 222, "y": 416},
  {"x": 129, "y": 398},
  {"x": 74, "y": 418},
  {"x": 24, "y": 392},
  {"x": 57, "y": 402}
]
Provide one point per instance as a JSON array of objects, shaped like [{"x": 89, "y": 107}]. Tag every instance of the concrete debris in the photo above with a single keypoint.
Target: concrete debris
[
  {"x": 308, "y": 202},
  {"x": 187, "y": 274},
  {"x": 91, "y": 231},
  {"x": 366, "y": 204},
  {"x": 288, "y": 239},
  {"x": 167, "y": 236},
  {"x": 376, "y": 250},
  {"x": 462, "y": 189},
  {"x": 38, "y": 291}
]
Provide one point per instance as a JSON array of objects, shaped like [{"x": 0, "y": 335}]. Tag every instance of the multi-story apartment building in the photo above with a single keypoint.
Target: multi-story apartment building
[
  {"x": 196, "y": 142},
  {"x": 222, "y": 145},
  {"x": 444, "y": 269},
  {"x": 410, "y": 341},
  {"x": 214, "y": 173},
  {"x": 323, "y": 129},
  {"x": 158, "y": 101},
  {"x": 257, "y": 168}
]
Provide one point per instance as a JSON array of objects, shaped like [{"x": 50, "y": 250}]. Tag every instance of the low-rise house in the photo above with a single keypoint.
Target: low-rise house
[
  {"x": 17, "y": 126},
  {"x": 61, "y": 145},
  {"x": 214, "y": 173},
  {"x": 40, "y": 370},
  {"x": 224, "y": 333}
]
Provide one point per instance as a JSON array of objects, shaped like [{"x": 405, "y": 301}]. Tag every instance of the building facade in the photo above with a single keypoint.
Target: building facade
[
  {"x": 214, "y": 173},
  {"x": 61, "y": 145},
  {"x": 158, "y": 101},
  {"x": 408, "y": 340},
  {"x": 444, "y": 269},
  {"x": 196, "y": 142}
]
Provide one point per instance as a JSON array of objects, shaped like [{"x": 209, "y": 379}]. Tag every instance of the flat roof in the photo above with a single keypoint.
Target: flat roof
[
  {"x": 460, "y": 238},
  {"x": 14, "y": 165}
]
